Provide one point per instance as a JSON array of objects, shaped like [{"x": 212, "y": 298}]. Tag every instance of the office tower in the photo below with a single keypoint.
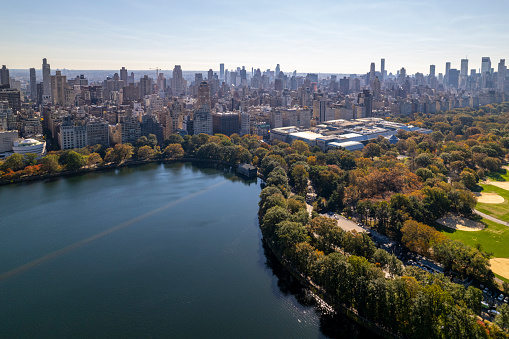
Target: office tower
[
  {"x": 382, "y": 69},
  {"x": 4, "y": 76},
  {"x": 177, "y": 82},
  {"x": 501, "y": 74},
  {"x": 372, "y": 72},
  {"x": 221, "y": 71},
  {"x": 402, "y": 75},
  {"x": 123, "y": 76},
  {"x": 33, "y": 85},
  {"x": 278, "y": 69},
  {"x": 446, "y": 76},
  {"x": 365, "y": 100},
  {"x": 344, "y": 85},
  {"x": 46, "y": 81},
  {"x": 58, "y": 87},
  {"x": 485, "y": 65},
  {"x": 210, "y": 75},
  {"x": 204, "y": 95},
  {"x": 454, "y": 76},
  {"x": 431, "y": 71},
  {"x": 463, "y": 73},
  {"x": 243, "y": 75}
]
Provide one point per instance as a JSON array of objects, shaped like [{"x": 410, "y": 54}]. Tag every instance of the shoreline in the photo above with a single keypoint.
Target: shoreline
[{"x": 109, "y": 167}]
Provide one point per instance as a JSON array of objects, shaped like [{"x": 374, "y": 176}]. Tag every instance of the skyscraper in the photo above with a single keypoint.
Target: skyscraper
[
  {"x": 278, "y": 69},
  {"x": 464, "y": 73},
  {"x": 221, "y": 71},
  {"x": 33, "y": 85},
  {"x": 485, "y": 65},
  {"x": 177, "y": 82},
  {"x": 4, "y": 76},
  {"x": 447, "y": 69},
  {"x": 46, "y": 81},
  {"x": 382, "y": 69},
  {"x": 501, "y": 74},
  {"x": 431, "y": 71},
  {"x": 123, "y": 75},
  {"x": 372, "y": 72},
  {"x": 58, "y": 87}
]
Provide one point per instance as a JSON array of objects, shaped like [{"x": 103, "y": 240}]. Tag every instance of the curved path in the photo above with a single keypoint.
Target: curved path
[{"x": 489, "y": 217}]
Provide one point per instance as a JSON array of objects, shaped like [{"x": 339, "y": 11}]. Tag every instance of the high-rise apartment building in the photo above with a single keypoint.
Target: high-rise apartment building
[
  {"x": 33, "y": 85},
  {"x": 278, "y": 69},
  {"x": 58, "y": 88},
  {"x": 4, "y": 76},
  {"x": 431, "y": 71},
  {"x": 46, "y": 81},
  {"x": 221, "y": 71},
  {"x": 203, "y": 121},
  {"x": 145, "y": 85},
  {"x": 177, "y": 82},
  {"x": 204, "y": 95}
]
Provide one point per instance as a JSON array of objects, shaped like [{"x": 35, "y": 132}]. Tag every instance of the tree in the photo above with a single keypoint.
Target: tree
[
  {"x": 14, "y": 162},
  {"x": 74, "y": 161},
  {"x": 300, "y": 146},
  {"x": 30, "y": 159},
  {"x": 145, "y": 153},
  {"x": 372, "y": 150},
  {"x": 94, "y": 159},
  {"x": 50, "y": 163},
  {"x": 152, "y": 140},
  {"x": 119, "y": 154},
  {"x": 173, "y": 151},
  {"x": 468, "y": 179},
  {"x": 423, "y": 160},
  {"x": 419, "y": 237},
  {"x": 502, "y": 319},
  {"x": 173, "y": 139},
  {"x": 300, "y": 177}
]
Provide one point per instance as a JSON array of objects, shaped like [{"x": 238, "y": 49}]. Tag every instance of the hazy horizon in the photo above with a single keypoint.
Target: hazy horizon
[{"x": 324, "y": 36}]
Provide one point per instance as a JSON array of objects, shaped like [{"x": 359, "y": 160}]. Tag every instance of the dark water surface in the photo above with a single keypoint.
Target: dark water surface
[{"x": 157, "y": 251}]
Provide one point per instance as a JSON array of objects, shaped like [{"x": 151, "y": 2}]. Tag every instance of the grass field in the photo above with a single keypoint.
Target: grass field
[
  {"x": 500, "y": 211},
  {"x": 493, "y": 239}
]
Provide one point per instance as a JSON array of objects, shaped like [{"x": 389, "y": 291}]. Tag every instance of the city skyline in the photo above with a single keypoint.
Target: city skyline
[{"x": 324, "y": 36}]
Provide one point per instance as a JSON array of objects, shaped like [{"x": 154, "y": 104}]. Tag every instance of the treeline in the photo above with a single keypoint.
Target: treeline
[
  {"x": 347, "y": 265},
  {"x": 221, "y": 148}
]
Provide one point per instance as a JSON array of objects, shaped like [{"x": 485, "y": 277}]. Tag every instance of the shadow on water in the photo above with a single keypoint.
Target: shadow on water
[{"x": 331, "y": 325}]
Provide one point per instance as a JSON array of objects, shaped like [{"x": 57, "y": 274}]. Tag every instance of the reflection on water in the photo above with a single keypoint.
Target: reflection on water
[{"x": 331, "y": 325}]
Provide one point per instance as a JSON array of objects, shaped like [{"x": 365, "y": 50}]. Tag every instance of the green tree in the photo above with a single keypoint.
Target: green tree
[
  {"x": 50, "y": 163},
  {"x": 502, "y": 319},
  {"x": 300, "y": 177},
  {"x": 372, "y": 150},
  {"x": 74, "y": 161},
  {"x": 30, "y": 159},
  {"x": 14, "y": 162}
]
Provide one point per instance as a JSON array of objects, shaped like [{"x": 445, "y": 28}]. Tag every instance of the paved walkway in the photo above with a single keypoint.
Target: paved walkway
[{"x": 489, "y": 217}]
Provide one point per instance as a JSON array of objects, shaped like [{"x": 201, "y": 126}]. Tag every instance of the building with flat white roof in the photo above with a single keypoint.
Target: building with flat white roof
[{"x": 29, "y": 146}]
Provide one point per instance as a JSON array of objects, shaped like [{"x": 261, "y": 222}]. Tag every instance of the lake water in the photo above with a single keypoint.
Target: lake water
[{"x": 157, "y": 251}]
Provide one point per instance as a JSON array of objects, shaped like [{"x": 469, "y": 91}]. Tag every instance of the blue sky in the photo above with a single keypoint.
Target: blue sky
[{"x": 342, "y": 36}]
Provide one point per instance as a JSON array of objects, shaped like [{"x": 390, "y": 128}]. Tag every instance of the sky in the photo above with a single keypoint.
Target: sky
[{"x": 320, "y": 36}]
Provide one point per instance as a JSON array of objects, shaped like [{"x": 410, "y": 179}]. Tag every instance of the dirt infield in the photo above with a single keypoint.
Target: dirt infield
[
  {"x": 490, "y": 198},
  {"x": 500, "y": 266},
  {"x": 501, "y": 184},
  {"x": 459, "y": 223}
]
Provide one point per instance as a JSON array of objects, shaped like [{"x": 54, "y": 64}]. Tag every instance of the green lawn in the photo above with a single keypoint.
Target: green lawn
[
  {"x": 493, "y": 239},
  {"x": 501, "y": 175},
  {"x": 500, "y": 211}
]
